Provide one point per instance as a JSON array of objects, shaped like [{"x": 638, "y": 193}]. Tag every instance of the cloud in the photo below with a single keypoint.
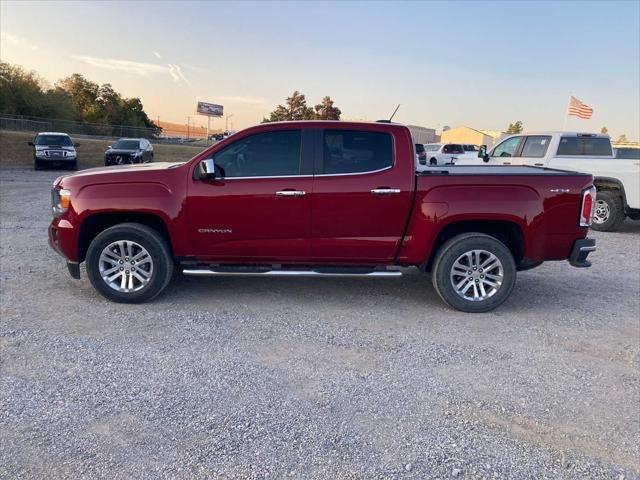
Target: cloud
[
  {"x": 240, "y": 99},
  {"x": 13, "y": 40},
  {"x": 181, "y": 75},
  {"x": 157, "y": 55},
  {"x": 174, "y": 74},
  {"x": 138, "y": 68}
]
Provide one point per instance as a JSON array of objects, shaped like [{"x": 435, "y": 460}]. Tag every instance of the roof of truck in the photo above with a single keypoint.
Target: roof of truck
[
  {"x": 54, "y": 133},
  {"x": 565, "y": 133}
]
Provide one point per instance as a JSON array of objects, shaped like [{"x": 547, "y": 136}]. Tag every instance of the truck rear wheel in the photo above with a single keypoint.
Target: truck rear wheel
[
  {"x": 129, "y": 263},
  {"x": 608, "y": 214},
  {"x": 474, "y": 272}
]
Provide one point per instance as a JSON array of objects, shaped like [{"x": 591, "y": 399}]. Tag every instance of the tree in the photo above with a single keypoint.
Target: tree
[
  {"x": 515, "y": 127},
  {"x": 295, "y": 108},
  {"x": 604, "y": 130},
  {"x": 72, "y": 98},
  {"x": 326, "y": 110},
  {"x": 83, "y": 93},
  {"x": 622, "y": 138}
]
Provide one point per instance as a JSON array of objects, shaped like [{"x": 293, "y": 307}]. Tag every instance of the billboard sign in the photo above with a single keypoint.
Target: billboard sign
[{"x": 210, "y": 109}]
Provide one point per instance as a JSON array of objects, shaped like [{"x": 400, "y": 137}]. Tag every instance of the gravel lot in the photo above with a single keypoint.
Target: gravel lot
[{"x": 313, "y": 378}]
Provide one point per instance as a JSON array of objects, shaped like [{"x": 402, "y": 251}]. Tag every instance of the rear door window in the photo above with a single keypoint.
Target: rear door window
[
  {"x": 535, "y": 146},
  {"x": 508, "y": 148},
  {"x": 632, "y": 153},
  {"x": 352, "y": 151},
  {"x": 584, "y": 146}
]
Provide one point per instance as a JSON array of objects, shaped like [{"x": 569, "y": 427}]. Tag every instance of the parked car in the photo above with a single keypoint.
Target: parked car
[
  {"x": 129, "y": 150},
  {"x": 470, "y": 151},
  {"x": 616, "y": 178},
  {"x": 320, "y": 199},
  {"x": 54, "y": 149},
  {"x": 421, "y": 154},
  {"x": 443, "y": 153},
  {"x": 221, "y": 136}
]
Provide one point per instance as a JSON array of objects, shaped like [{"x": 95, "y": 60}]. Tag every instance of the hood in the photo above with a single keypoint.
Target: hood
[
  {"x": 122, "y": 151},
  {"x": 117, "y": 173}
]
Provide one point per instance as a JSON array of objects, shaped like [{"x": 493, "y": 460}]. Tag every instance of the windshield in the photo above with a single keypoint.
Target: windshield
[
  {"x": 54, "y": 140},
  {"x": 127, "y": 145},
  {"x": 470, "y": 148},
  {"x": 432, "y": 148}
]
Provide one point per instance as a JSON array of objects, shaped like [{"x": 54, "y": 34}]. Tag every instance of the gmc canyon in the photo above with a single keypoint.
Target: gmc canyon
[{"x": 318, "y": 198}]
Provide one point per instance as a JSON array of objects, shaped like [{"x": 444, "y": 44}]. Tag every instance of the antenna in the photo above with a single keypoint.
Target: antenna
[{"x": 394, "y": 113}]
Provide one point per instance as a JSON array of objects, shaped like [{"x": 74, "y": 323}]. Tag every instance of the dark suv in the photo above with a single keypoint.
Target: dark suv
[
  {"x": 54, "y": 149},
  {"x": 129, "y": 150}
]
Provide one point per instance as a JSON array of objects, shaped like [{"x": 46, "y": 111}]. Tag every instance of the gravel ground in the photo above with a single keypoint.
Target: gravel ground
[{"x": 314, "y": 378}]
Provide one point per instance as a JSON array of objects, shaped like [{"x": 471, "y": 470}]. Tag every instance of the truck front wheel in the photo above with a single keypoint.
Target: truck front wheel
[
  {"x": 474, "y": 272},
  {"x": 129, "y": 263},
  {"x": 608, "y": 214}
]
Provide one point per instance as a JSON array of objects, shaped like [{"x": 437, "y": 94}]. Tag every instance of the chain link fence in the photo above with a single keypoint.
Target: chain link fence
[{"x": 36, "y": 124}]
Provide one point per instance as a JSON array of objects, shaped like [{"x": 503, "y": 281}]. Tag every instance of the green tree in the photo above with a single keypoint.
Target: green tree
[
  {"x": 83, "y": 93},
  {"x": 326, "y": 110},
  {"x": 20, "y": 92},
  {"x": 515, "y": 127},
  {"x": 295, "y": 108},
  {"x": 604, "y": 130},
  {"x": 72, "y": 98}
]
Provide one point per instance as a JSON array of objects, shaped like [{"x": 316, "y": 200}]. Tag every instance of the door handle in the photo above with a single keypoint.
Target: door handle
[
  {"x": 385, "y": 191},
  {"x": 538, "y": 164},
  {"x": 291, "y": 193},
  {"x": 506, "y": 163}
]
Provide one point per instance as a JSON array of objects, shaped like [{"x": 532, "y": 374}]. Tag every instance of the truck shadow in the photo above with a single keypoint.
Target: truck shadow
[{"x": 412, "y": 294}]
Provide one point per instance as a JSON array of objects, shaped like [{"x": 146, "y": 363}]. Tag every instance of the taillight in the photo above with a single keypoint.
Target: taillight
[{"x": 588, "y": 206}]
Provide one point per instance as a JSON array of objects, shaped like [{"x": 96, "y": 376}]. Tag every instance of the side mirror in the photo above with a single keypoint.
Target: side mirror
[
  {"x": 482, "y": 153},
  {"x": 76, "y": 145},
  {"x": 207, "y": 169},
  {"x": 31, "y": 144}
]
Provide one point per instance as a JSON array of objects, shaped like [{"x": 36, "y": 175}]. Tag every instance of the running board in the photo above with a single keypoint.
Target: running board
[{"x": 208, "y": 272}]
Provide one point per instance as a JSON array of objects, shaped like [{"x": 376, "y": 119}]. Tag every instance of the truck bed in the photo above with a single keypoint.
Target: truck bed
[{"x": 494, "y": 170}]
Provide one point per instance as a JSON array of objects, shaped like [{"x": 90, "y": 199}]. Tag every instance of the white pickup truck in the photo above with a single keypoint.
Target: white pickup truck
[{"x": 617, "y": 179}]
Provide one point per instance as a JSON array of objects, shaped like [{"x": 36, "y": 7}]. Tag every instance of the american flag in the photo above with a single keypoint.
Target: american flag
[{"x": 579, "y": 109}]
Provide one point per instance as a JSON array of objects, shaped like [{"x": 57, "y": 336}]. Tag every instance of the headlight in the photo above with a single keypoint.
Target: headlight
[
  {"x": 40, "y": 154},
  {"x": 60, "y": 201}
]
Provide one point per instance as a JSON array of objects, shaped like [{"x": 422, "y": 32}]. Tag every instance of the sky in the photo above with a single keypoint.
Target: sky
[{"x": 480, "y": 64}]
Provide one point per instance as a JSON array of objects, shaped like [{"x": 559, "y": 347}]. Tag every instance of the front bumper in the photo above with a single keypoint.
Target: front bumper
[
  {"x": 73, "y": 267},
  {"x": 581, "y": 249}
]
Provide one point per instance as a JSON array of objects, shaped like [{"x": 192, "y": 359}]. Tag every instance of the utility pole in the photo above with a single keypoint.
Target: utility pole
[
  {"x": 188, "y": 122},
  {"x": 226, "y": 122}
]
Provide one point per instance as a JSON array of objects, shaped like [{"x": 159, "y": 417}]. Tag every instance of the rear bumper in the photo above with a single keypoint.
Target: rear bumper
[{"x": 581, "y": 249}]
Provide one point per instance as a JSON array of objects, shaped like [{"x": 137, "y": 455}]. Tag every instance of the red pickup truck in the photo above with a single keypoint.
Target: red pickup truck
[{"x": 319, "y": 199}]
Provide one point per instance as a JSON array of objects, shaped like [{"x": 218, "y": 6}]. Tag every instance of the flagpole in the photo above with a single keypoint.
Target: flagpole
[{"x": 566, "y": 115}]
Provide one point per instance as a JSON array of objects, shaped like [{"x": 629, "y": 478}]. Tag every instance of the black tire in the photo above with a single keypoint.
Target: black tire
[
  {"x": 455, "y": 248},
  {"x": 613, "y": 203},
  {"x": 37, "y": 165},
  {"x": 73, "y": 165},
  {"x": 155, "y": 245}
]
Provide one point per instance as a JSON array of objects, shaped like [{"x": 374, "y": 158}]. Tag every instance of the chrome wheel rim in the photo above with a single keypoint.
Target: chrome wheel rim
[
  {"x": 601, "y": 212},
  {"x": 125, "y": 266},
  {"x": 477, "y": 275}
]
